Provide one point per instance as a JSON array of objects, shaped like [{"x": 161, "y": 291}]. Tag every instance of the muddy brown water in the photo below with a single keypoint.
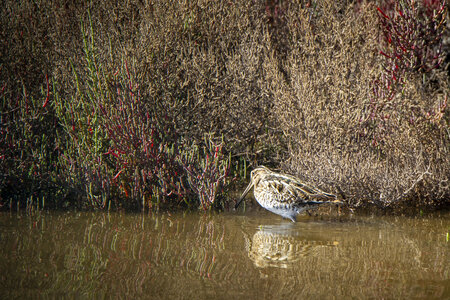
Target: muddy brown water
[{"x": 231, "y": 255}]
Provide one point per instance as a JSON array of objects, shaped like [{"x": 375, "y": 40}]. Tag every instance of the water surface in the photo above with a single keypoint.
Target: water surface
[{"x": 255, "y": 255}]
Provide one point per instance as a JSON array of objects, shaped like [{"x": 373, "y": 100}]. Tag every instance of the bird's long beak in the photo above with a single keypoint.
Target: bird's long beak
[{"x": 250, "y": 185}]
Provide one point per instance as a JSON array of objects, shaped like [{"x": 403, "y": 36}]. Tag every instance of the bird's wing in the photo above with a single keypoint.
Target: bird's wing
[{"x": 289, "y": 187}]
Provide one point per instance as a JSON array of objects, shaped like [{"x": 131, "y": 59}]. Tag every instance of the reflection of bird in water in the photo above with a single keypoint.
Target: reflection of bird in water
[
  {"x": 273, "y": 246},
  {"x": 284, "y": 195}
]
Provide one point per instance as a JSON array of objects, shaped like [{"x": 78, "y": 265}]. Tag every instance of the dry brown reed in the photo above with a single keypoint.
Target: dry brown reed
[{"x": 324, "y": 111}]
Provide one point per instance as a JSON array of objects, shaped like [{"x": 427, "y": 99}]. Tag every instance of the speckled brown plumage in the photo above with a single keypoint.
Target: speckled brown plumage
[{"x": 284, "y": 195}]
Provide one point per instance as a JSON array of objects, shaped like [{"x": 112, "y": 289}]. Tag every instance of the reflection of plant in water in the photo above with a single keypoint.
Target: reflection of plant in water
[
  {"x": 165, "y": 244},
  {"x": 106, "y": 255}
]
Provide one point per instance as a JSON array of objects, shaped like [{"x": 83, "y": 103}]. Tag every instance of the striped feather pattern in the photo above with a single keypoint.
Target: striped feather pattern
[{"x": 284, "y": 194}]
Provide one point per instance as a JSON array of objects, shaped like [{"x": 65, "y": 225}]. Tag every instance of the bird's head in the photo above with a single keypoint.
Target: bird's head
[{"x": 255, "y": 176}]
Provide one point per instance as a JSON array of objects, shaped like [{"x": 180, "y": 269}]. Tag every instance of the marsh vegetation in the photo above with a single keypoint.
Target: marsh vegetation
[{"x": 140, "y": 104}]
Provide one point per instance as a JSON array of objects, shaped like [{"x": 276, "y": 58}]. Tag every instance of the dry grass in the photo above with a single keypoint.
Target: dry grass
[{"x": 324, "y": 106}]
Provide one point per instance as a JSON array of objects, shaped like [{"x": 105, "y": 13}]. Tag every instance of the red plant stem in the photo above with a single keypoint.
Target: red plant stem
[
  {"x": 384, "y": 15},
  {"x": 117, "y": 175},
  {"x": 381, "y": 52}
]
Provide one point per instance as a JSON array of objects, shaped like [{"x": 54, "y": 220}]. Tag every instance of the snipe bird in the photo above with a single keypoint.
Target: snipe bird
[{"x": 284, "y": 195}]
